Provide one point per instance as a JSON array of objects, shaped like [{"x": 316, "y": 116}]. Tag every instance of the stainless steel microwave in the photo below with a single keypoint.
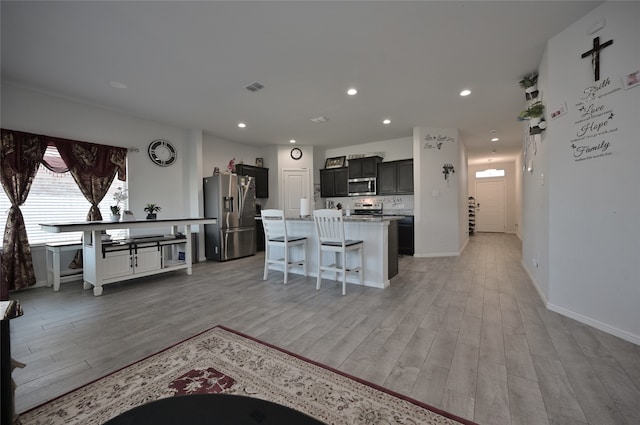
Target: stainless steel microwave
[{"x": 362, "y": 186}]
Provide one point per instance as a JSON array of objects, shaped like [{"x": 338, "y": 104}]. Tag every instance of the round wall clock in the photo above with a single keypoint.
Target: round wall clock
[
  {"x": 296, "y": 153},
  {"x": 162, "y": 153}
]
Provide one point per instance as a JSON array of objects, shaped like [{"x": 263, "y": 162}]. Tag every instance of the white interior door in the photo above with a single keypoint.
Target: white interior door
[
  {"x": 490, "y": 202},
  {"x": 295, "y": 185}
]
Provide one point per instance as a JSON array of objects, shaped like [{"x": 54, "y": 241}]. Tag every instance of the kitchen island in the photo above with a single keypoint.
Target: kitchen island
[
  {"x": 109, "y": 261},
  {"x": 380, "y": 236}
]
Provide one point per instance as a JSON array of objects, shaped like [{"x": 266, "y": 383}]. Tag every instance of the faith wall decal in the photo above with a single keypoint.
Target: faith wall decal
[{"x": 595, "y": 55}]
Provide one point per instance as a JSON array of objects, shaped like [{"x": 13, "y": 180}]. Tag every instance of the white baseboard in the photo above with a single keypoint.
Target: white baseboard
[
  {"x": 541, "y": 294},
  {"x": 635, "y": 339},
  {"x": 464, "y": 245},
  {"x": 439, "y": 254}
]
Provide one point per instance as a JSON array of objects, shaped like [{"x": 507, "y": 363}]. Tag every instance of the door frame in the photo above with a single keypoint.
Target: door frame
[
  {"x": 283, "y": 185},
  {"x": 504, "y": 199}
]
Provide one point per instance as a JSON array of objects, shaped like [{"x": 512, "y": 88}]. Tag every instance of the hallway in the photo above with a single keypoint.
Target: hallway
[{"x": 467, "y": 334}]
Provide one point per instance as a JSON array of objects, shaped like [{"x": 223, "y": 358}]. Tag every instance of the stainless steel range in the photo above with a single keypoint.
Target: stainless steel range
[{"x": 362, "y": 208}]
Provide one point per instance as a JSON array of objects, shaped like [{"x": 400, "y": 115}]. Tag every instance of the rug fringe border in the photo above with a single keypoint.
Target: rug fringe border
[{"x": 298, "y": 356}]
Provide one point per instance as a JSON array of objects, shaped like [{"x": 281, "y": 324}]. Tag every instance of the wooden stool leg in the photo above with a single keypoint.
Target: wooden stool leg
[
  {"x": 344, "y": 272},
  {"x": 266, "y": 261},
  {"x": 286, "y": 263},
  {"x": 319, "y": 268}
]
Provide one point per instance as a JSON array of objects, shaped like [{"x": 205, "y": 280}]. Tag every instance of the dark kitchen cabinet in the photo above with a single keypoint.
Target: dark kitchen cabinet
[
  {"x": 387, "y": 178},
  {"x": 261, "y": 175},
  {"x": 333, "y": 182},
  {"x": 406, "y": 244},
  {"x": 260, "y": 242},
  {"x": 395, "y": 177},
  {"x": 364, "y": 167},
  {"x": 393, "y": 249}
]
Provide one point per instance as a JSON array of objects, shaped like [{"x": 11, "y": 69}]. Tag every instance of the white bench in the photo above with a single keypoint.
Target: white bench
[{"x": 54, "y": 274}]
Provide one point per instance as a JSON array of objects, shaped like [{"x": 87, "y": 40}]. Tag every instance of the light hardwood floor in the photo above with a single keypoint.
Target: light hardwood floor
[{"x": 467, "y": 334}]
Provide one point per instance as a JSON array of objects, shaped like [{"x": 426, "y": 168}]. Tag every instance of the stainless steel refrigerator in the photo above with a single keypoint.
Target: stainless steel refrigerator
[{"x": 232, "y": 200}]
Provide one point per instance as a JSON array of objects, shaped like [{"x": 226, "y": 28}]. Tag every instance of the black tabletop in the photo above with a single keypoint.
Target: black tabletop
[{"x": 212, "y": 409}]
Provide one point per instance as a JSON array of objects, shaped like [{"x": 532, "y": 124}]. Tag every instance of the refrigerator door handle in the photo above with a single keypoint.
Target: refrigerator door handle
[
  {"x": 228, "y": 203},
  {"x": 239, "y": 230}
]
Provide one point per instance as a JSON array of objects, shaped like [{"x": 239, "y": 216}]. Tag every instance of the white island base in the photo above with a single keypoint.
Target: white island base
[{"x": 379, "y": 249}]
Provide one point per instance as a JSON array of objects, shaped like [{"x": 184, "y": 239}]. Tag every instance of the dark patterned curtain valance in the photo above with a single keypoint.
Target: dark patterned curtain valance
[{"x": 99, "y": 160}]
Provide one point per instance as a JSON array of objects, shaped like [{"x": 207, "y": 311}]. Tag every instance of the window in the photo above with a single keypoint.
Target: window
[
  {"x": 492, "y": 172},
  {"x": 55, "y": 197}
]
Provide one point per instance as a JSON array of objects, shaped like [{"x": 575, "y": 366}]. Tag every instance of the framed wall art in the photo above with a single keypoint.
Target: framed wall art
[{"x": 335, "y": 162}]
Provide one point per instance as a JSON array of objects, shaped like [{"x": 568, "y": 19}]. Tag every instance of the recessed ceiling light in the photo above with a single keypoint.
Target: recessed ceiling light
[
  {"x": 118, "y": 85},
  {"x": 319, "y": 119},
  {"x": 352, "y": 92},
  {"x": 465, "y": 92},
  {"x": 495, "y": 139},
  {"x": 292, "y": 141},
  {"x": 242, "y": 125},
  {"x": 386, "y": 121}
]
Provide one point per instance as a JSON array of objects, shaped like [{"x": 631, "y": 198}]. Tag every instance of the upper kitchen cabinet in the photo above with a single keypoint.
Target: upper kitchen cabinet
[
  {"x": 261, "y": 175},
  {"x": 364, "y": 167},
  {"x": 395, "y": 177},
  {"x": 333, "y": 182}
]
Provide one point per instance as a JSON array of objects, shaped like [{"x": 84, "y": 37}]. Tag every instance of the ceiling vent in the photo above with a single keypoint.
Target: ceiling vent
[{"x": 254, "y": 87}]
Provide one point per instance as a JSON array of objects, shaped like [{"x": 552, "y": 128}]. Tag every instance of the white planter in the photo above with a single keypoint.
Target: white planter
[
  {"x": 537, "y": 125},
  {"x": 531, "y": 92},
  {"x": 113, "y": 218}
]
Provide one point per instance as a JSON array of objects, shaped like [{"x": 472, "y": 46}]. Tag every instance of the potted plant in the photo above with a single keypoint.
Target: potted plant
[
  {"x": 530, "y": 85},
  {"x": 151, "y": 210},
  {"x": 534, "y": 114},
  {"x": 119, "y": 196},
  {"x": 115, "y": 212}
]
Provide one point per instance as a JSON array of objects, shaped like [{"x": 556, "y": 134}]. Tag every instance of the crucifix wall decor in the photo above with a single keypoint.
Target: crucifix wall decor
[{"x": 595, "y": 55}]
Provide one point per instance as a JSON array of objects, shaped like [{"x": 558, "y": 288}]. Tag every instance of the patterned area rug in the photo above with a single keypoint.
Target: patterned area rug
[{"x": 224, "y": 361}]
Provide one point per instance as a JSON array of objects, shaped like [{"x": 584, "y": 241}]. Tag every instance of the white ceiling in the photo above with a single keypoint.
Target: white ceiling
[{"x": 187, "y": 63}]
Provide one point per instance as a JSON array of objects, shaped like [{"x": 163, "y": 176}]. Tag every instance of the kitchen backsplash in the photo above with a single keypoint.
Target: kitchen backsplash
[{"x": 398, "y": 204}]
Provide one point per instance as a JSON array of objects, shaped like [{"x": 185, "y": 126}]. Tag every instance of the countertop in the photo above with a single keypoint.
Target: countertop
[
  {"x": 108, "y": 225},
  {"x": 358, "y": 218}
]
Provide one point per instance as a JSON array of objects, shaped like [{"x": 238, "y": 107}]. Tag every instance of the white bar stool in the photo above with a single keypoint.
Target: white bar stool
[
  {"x": 330, "y": 229},
  {"x": 275, "y": 235}
]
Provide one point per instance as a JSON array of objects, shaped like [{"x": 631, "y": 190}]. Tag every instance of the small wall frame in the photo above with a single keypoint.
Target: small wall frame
[{"x": 335, "y": 162}]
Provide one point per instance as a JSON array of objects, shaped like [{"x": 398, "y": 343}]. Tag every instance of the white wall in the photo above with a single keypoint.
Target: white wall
[
  {"x": 34, "y": 112},
  {"x": 170, "y": 187},
  {"x": 390, "y": 150},
  {"x": 462, "y": 172},
  {"x": 218, "y": 152},
  {"x": 511, "y": 173},
  {"x": 286, "y": 162},
  {"x": 591, "y": 220},
  {"x": 535, "y": 204},
  {"x": 438, "y": 204},
  {"x": 518, "y": 174}
]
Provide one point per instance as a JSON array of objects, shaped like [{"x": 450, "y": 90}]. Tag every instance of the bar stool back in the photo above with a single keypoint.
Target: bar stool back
[{"x": 330, "y": 230}]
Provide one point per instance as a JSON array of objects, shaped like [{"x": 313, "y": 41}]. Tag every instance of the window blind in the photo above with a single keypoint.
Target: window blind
[{"x": 56, "y": 198}]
